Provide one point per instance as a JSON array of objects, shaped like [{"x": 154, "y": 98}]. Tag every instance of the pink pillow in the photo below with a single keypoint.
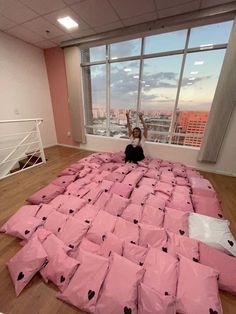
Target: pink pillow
[
  {"x": 208, "y": 206},
  {"x": 180, "y": 201},
  {"x": 109, "y": 166},
  {"x": 26, "y": 263},
  {"x": 64, "y": 181},
  {"x": 100, "y": 177},
  {"x": 152, "y": 216},
  {"x": 116, "y": 204},
  {"x": 185, "y": 246},
  {"x": 164, "y": 187},
  {"x": 202, "y": 187},
  {"x": 68, "y": 171},
  {"x": 126, "y": 230},
  {"x": 119, "y": 291},
  {"x": 132, "y": 213},
  {"x": 22, "y": 213},
  {"x": 139, "y": 195},
  {"x": 102, "y": 200},
  {"x": 121, "y": 189},
  {"x": 176, "y": 221},
  {"x": 104, "y": 222},
  {"x": 55, "y": 221},
  {"x": 152, "y": 236},
  {"x": 168, "y": 177},
  {"x": 162, "y": 276},
  {"x": 53, "y": 246},
  {"x": 87, "y": 213},
  {"x": 44, "y": 211},
  {"x": 84, "y": 287},
  {"x": 182, "y": 181},
  {"x": 151, "y": 301},
  {"x": 46, "y": 194},
  {"x": 152, "y": 173},
  {"x": 155, "y": 201},
  {"x": 134, "y": 253},
  {"x": 197, "y": 290},
  {"x": 60, "y": 270},
  {"x": 124, "y": 169},
  {"x": 115, "y": 176},
  {"x": 106, "y": 185},
  {"x": 88, "y": 246},
  {"x": 73, "y": 232},
  {"x": 223, "y": 263},
  {"x": 182, "y": 189},
  {"x": 111, "y": 243},
  {"x": 105, "y": 157},
  {"x": 133, "y": 178},
  {"x": 147, "y": 182},
  {"x": 71, "y": 205},
  {"x": 74, "y": 187},
  {"x": 86, "y": 189},
  {"x": 93, "y": 195}
]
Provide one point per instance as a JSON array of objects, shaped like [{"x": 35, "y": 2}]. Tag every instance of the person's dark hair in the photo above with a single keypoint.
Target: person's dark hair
[{"x": 140, "y": 132}]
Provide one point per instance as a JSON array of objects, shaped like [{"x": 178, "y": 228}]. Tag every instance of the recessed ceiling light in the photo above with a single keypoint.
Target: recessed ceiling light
[
  {"x": 198, "y": 62},
  {"x": 67, "y": 22}
]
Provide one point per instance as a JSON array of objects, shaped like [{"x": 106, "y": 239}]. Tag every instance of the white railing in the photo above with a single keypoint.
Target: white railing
[{"x": 20, "y": 145}]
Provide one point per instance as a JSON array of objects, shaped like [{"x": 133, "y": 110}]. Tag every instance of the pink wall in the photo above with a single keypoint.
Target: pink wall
[{"x": 54, "y": 58}]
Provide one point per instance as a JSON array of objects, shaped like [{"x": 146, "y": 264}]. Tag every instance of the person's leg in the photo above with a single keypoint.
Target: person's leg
[
  {"x": 129, "y": 153},
  {"x": 139, "y": 155}
]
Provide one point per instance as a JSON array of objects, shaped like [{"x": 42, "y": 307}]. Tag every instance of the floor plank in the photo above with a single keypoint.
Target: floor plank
[{"x": 37, "y": 297}]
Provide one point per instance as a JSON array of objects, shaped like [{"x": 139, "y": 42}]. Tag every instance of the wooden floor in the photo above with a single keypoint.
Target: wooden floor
[{"x": 38, "y": 297}]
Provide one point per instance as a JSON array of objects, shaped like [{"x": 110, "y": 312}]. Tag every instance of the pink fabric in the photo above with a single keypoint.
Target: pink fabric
[
  {"x": 155, "y": 201},
  {"x": 164, "y": 196},
  {"x": 191, "y": 173},
  {"x": 116, "y": 204},
  {"x": 152, "y": 216},
  {"x": 71, "y": 205},
  {"x": 111, "y": 243},
  {"x": 88, "y": 246},
  {"x": 64, "y": 181},
  {"x": 163, "y": 275},
  {"x": 182, "y": 189},
  {"x": 55, "y": 222},
  {"x": 176, "y": 221},
  {"x": 126, "y": 230},
  {"x": 121, "y": 189},
  {"x": 54, "y": 246},
  {"x": 152, "y": 236},
  {"x": 153, "y": 174},
  {"x": 164, "y": 187},
  {"x": 185, "y": 246},
  {"x": 179, "y": 171},
  {"x": 105, "y": 157},
  {"x": 147, "y": 182},
  {"x": 117, "y": 297},
  {"x": 73, "y": 232},
  {"x": 110, "y": 166},
  {"x": 132, "y": 213},
  {"x": 26, "y": 263},
  {"x": 74, "y": 187},
  {"x": 180, "y": 201},
  {"x": 102, "y": 200},
  {"x": 60, "y": 270},
  {"x": 151, "y": 301},
  {"x": 115, "y": 176},
  {"x": 84, "y": 190},
  {"x": 200, "y": 294},
  {"x": 139, "y": 195},
  {"x": 133, "y": 178},
  {"x": 223, "y": 263},
  {"x": 134, "y": 253},
  {"x": 44, "y": 211},
  {"x": 182, "y": 181},
  {"x": 163, "y": 169},
  {"x": 154, "y": 164},
  {"x": 208, "y": 206},
  {"x": 168, "y": 177},
  {"x": 104, "y": 222},
  {"x": 68, "y": 171},
  {"x": 202, "y": 187},
  {"x": 22, "y": 213},
  {"x": 105, "y": 185},
  {"x": 124, "y": 169},
  {"x": 46, "y": 194},
  {"x": 93, "y": 195},
  {"x": 87, "y": 213},
  {"x": 82, "y": 173},
  {"x": 100, "y": 177},
  {"x": 84, "y": 287}
]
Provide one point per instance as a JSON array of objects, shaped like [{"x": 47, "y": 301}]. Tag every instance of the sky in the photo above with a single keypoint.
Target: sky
[{"x": 161, "y": 75}]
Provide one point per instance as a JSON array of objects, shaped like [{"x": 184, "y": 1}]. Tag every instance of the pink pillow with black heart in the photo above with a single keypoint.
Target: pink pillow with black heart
[
  {"x": 164, "y": 187},
  {"x": 46, "y": 194},
  {"x": 181, "y": 201},
  {"x": 133, "y": 178},
  {"x": 111, "y": 243},
  {"x": 209, "y": 206},
  {"x": 147, "y": 182},
  {"x": 139, "y": 195},
  {"x": 55, "y": 221},
  {"x": 132, "y": 213},
  {"x": 202, "y": 187},
  {"x": 134, "y": 253},
  {"x": 176, "y": 221},
  {"x": 155, "y": 201},
  {"x": 115, "y": 177},
  {"x": 126, "y": 230},
  {"x": 83, "y": 289},
  {"x": 121, "y": 189},
  {"x": 103, "y": 223},
  {"x": 64, "y": 181},
  {"x": 152, "y": 236},
  {"x": 185, "y": 246},
  {"x": 152, "y": 216},
  {"x": 197, "y": 290},
  {"x": 69, "y": 205},
  {"x": 119, "y": 291},
  {"x": 116, "y": 204},
  {"x": 87, "y": 214},
  {"x": 151, "y": 301},
  {"x": 44, "y": 211},
  {"x": 102, "y": 200},
  {"x": 223, "y": 263},
  {"x": 26, "y": 263}
]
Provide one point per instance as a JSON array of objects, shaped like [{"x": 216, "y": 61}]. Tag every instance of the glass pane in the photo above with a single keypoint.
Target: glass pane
[
  {"x": 94, "y": 80},
  {"x": 97, "y": 54},
  {"x": 158, "y": 137},
  {"x": 124, "y": 91},
  {"x": 209, "y": 35},
  {"x": 127, "y": 48},
  {"x": 165, "y": 42},
  {"x": 158, "y": 94}
]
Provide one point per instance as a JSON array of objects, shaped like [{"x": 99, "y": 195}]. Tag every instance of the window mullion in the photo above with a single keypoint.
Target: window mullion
[
  {"x": 108, "y": 98},
  {"x": 140, "y": 81}
]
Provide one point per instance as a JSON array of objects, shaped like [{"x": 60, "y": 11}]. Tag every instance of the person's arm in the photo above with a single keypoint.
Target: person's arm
[
  {"x": 145, "y": 129},
  {"x": 128, "y": 123}
]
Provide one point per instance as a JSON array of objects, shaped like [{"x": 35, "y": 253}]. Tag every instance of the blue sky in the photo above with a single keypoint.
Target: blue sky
[{"x": 161, "y": 75}]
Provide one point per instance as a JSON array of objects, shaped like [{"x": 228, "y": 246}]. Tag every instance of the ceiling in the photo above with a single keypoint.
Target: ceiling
[{"x": 35, "y": 21}]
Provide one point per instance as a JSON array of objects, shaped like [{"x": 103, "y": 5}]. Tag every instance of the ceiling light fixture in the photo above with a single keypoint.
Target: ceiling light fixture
[{"x": 67, "y": 22}]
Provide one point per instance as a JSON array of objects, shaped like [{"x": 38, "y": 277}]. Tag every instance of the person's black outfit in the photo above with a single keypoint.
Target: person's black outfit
[{"x": 134, "y": 154}]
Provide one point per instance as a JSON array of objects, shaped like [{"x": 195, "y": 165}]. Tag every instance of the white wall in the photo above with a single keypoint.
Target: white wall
[
  {"x": 24, "y": 89},
  {"x": 226, "y": 163}
]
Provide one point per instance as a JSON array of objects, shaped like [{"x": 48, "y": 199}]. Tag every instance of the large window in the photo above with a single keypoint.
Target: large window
[{"x": 170, "y": 77}]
